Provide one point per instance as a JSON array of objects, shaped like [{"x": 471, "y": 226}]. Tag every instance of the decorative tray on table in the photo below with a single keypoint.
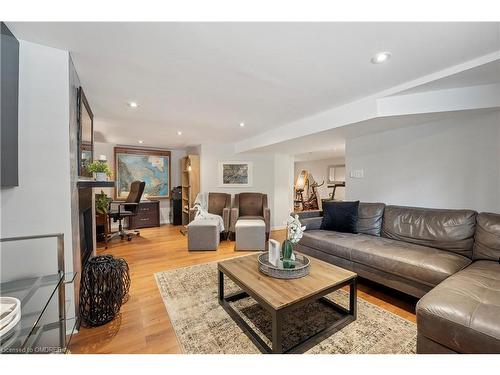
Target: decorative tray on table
[{"x": 302, "y": 266}]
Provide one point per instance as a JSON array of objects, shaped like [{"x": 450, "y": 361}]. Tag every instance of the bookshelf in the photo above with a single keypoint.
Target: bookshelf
[{"x": 190, "y": 183}]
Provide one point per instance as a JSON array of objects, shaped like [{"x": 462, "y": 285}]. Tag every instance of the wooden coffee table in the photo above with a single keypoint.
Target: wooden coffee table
[{"x": 282, "y": 296}]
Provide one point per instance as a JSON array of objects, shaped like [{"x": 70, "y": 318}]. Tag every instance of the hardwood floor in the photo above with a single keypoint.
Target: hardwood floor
[{"x": 144, "y": 326}]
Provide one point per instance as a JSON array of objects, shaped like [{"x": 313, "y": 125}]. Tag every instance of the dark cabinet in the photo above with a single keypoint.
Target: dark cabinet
[
  {"x": 148, "y": 215},
  {"x": 176, "y": 206}
]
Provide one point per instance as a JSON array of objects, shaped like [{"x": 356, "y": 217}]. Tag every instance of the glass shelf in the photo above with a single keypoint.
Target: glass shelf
[
  {"x": 39, "y": 314},
  {"x": 43, "y": 326}
]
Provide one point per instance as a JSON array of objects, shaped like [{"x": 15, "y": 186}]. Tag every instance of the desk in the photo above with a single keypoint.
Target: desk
[{"x": 148, "y": 215}]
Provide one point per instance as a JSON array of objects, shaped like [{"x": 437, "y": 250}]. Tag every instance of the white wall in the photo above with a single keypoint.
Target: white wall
[
  {"x": 107, "y": 149},
  {"x": 319, "y": 171},
  {"x": 41, "y": 204},
  {"x": 263, "y": 177},
  {"x": 283, "y": 189},
  {"x": 451, "y": 163}
]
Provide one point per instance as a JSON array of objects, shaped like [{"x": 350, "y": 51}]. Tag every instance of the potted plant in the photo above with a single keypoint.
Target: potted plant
[
  {"x": 294, "y": 232},
  {"x": 102, "y": 203},
  {"x": 101, "y": 170}
]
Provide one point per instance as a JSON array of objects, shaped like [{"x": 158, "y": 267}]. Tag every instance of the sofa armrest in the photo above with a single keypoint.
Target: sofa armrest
[
  {"x": 267, "y": 219},
  {"x": 192, "y": 214},
  {"x": 312, "y": 223},
  {"x": 226, "y": 217},
  {"x": 235, "y": 213},
  {"x": 308, "y": 214}
]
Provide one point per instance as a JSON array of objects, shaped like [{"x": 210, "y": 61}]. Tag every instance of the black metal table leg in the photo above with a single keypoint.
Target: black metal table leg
[
  {"x": 353, "y": 297},
  {"x": 277, "y": 332},
  {"x": 224, "y": 301},
  {"x": 221, "y": 286}
]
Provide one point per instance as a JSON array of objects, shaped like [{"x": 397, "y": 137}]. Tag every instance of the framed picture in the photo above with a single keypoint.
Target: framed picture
[
  {"x": 148, "y": 165},
  {"x": 235, "y": 174}
]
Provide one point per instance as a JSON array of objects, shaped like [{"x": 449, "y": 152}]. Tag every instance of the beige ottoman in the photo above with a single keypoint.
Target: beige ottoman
[
  {"x": 203, "y": 234},
  {"x": 250, "y": 235}
]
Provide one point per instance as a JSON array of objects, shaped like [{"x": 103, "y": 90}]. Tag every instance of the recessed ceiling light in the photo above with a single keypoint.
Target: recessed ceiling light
[
  {"x": 242, "y": 124},
  {"x": 179, "y": 132},
  {"x": 140, "y": 141},
  {"x": 381, "y": 57},
  {"x": 133, "y": 104}
]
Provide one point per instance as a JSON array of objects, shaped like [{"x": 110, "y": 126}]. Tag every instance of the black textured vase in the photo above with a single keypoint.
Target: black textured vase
[{"x": 104, "y": 288}]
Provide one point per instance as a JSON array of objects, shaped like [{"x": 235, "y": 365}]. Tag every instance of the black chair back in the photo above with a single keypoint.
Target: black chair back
[{"x": 134, "y": 196}]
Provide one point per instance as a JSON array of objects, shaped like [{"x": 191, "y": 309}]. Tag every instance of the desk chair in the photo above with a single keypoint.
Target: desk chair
[{"x": 126, "y": 208}]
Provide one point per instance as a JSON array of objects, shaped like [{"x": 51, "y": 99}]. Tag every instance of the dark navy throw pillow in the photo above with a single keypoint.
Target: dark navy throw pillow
[{"x": 340, "y": 216}]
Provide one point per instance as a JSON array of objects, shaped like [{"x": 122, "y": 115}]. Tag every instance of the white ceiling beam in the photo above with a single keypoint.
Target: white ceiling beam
[
  {"x": 354, "y": 112},
  {"x": 470, "y": 64},
  {"x": 343, "y": 115},
  {"x": 456, "y": 99}
]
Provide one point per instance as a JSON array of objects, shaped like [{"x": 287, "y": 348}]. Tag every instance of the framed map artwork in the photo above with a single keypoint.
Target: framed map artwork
[{"x": 151, "y": 166}]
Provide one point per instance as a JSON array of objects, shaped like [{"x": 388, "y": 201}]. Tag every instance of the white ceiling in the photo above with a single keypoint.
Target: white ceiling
[{"x": 205, "y": 78}]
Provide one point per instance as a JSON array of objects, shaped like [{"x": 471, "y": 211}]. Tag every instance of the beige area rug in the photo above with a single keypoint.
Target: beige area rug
[{"x": 203, "y": 326}]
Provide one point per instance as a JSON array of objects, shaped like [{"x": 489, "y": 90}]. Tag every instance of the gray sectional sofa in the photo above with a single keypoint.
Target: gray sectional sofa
[{"x": 448, "y": 258}]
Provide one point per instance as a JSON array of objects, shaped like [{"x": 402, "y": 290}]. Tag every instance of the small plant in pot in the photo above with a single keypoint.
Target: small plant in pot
[
  {"x": 102, "y": 202},
  {"x": 294, "y": 232},
  {"x": 101, "y": 170}
]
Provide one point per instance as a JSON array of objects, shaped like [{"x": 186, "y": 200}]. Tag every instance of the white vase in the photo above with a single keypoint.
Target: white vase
[{"x": 100, "y": 176}]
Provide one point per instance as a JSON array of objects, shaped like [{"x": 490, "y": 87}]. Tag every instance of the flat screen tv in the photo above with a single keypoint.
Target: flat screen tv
[{"x": 9, "y": 90}]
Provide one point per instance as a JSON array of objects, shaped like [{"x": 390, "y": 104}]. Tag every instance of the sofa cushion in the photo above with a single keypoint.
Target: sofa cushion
[
  {"x": 370, "y": 218},
  {"x": 340, "y": 216},
  {"x": 463, "y": 312},
  {"x": 422, "y": 264},
  {"x": 312, "y": 222},
  {"x": 308, "y": 214},
  {"x": 334, "y": 243},
  {"x": 451, "y": 230},
  {"x": 487, "y": 237}
]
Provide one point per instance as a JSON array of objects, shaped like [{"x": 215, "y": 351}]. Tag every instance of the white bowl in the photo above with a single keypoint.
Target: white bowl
[{"x": 10, "y": 310}]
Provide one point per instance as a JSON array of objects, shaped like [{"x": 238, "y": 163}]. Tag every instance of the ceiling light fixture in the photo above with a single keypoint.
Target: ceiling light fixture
[
  {"x": 381, "y": 57},
  {"x": 140, "y": 141},
  {"x": 179, "y": 132},
  {"x": 133, "y": 104},
  {"x": 242, "y": 124}
]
